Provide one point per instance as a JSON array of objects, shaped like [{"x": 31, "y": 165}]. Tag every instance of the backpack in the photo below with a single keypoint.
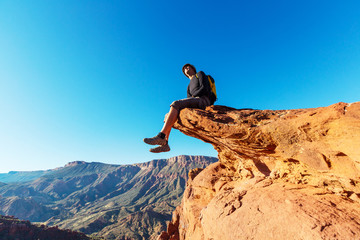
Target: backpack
[{"x": 212, "y": 93}]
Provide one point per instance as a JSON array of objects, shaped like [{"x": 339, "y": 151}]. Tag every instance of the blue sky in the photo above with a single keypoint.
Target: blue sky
[{"x": 88, "y": 80}]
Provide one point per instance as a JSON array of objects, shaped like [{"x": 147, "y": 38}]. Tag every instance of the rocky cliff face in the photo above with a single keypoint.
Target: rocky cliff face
[{"x": 290, "y": 174}]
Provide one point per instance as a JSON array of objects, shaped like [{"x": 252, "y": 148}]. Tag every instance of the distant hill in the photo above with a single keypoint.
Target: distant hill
[
  {"x": 112, "y": 201},
  {"x": 21, "y": 176},
  {"x": 13, "y": 228}
]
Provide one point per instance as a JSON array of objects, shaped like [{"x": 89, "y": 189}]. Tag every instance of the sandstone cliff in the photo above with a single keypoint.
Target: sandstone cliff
[{"x": 289, "y": 174}]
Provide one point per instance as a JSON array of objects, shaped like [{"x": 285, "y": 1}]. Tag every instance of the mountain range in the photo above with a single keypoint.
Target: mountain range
[{"x": 101, "y": 200}]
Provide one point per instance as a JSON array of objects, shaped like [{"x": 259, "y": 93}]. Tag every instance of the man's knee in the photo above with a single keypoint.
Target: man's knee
[{"x": 176, "y": 104}]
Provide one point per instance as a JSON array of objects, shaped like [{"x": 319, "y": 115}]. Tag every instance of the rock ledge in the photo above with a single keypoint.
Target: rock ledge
[{"x": 287, "y": 174}]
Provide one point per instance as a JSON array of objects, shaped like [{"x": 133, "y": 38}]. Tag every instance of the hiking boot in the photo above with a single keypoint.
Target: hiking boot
[
  {"x": 157, "y": 140},
  {"x": 159, "y": 149}
]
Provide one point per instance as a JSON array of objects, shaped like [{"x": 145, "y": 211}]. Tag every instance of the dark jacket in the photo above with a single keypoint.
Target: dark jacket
[{"x": 199, "y": 86}]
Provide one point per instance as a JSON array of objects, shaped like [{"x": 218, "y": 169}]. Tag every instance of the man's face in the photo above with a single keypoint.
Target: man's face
[{"x": 189, "y": 71}]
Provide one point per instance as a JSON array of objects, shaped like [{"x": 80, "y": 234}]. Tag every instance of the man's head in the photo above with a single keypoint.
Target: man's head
[{"x": 189, "y": 70}]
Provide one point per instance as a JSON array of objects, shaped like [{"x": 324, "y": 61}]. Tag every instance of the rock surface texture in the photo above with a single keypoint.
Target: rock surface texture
[{"x": 287, "y": 174}]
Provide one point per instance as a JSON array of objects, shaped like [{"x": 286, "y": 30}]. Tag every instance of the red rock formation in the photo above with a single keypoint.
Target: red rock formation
[{"x": 289, "y": 174}]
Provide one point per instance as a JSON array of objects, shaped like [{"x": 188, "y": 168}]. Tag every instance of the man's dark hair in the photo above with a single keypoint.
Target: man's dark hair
[{"x": 188, "y": 64}]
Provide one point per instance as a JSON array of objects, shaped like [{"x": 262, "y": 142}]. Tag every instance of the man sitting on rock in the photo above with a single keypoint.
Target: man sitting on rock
[{"x": 198, "y": 96}]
